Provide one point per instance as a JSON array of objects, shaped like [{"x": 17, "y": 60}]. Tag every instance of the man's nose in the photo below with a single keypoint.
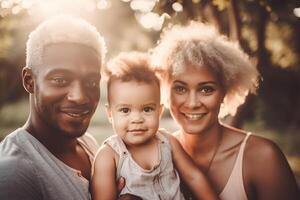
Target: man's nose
[{"x": 77, "y": 94}]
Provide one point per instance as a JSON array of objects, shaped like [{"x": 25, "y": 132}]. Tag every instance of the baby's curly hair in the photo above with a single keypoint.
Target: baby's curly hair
[
  {"x": 130, "y": 66},
  {"x": 199, "y": 44}
]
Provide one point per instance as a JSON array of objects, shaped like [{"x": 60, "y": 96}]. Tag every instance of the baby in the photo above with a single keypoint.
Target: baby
[{"x": 150, "y": 160}]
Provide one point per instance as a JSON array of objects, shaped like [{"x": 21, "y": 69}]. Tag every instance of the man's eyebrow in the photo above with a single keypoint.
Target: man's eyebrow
[
  {"x": 58, "y": 70},
  {"x": 69, "y": 72}
]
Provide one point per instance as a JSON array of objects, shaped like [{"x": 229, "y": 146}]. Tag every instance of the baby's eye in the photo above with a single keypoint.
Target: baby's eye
[
  {"x": 148, "y": 109},
  {"x": 180, "y": 89},
  {"x": 124, "y": 110}
]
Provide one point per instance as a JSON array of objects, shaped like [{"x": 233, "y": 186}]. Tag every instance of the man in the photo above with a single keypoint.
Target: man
[{"x": 50, "y": 157}]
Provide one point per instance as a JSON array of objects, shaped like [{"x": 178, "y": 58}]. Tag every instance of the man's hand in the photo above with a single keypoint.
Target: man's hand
[
  {"x": 129, "y": 197},
  {"x": 120, "y": 186}
]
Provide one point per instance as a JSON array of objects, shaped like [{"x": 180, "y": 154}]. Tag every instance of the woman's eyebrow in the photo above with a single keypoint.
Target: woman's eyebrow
[{"x": 207, "y": 82}]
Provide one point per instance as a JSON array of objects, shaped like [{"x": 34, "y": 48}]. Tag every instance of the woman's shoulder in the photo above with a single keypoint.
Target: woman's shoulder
[
  {"x": 266, "y": 168},
  {"x": 260, "y": 148},
  {"x": 257, "y": 146}
]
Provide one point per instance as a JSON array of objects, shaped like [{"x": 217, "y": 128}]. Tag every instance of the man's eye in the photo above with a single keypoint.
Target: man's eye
[
  {"x": 59, "y": 80},
  {"x": 148, "y": 109},
  {"x": 92, "y": 83},
  {"x": 180, "y": 89},
  {"x": 124, "y": 110}
]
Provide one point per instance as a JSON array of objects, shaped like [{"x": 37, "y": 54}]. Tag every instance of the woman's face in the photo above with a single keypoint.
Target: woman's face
[{"x": 195, "y": 99}]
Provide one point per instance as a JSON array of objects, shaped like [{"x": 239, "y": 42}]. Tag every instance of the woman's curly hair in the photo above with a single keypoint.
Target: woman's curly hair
[{"x": 199, "y": 44}]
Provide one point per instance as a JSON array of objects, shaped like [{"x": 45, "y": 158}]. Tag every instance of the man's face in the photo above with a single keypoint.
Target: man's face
[{"x": 66, "y": 88}]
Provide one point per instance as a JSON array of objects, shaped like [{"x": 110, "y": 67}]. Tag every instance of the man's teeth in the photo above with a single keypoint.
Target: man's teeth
[
  {"x": 193, "y": 116},
  {"x": 78, "y": 114}
]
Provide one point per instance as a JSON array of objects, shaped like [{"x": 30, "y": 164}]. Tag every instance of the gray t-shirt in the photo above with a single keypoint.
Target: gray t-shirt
[{"x": 29, "y": 171}]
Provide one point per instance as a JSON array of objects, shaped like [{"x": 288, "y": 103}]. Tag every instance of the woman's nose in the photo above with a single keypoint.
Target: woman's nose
[{"x": 192, "y": 100}]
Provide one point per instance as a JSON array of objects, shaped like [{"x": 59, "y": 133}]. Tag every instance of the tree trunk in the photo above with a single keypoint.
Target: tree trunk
[
  {"x": 246, "y": 110},
  {"x": 234, "y": 21}
]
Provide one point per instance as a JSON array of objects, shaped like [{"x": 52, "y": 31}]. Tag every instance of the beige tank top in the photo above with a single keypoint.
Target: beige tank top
[
  {"x": 160, "y": 182},
  {"x": 234, "y": 188}
]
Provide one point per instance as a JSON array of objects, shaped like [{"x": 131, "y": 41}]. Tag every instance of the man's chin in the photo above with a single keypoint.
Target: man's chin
[{"x": 74, "y": 132}]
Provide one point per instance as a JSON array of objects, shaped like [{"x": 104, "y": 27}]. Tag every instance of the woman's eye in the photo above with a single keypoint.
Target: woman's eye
[
  {"x": 207, "y": 89},
  {"x": 124, "y": 110},
  {"x": 180, "y": 89},
  {"x": 148, "y": 109}
]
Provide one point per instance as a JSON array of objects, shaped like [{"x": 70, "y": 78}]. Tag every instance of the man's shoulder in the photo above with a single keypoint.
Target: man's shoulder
[
  {"x": 12, "y": 164},
  {"x": 89, "y": 142},
  {"x": 12, "y": 155},
  {"x": 10, "y": 145},
  {"x": 18, "y": 178},
  {"x": 13, "y": 158}
]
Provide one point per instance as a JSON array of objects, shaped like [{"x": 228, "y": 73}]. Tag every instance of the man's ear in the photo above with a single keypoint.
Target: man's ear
[
  {"x": 161, "y": 110},
  {"x": 108, "y": 112},
  {"x": 27, "y": 78}
]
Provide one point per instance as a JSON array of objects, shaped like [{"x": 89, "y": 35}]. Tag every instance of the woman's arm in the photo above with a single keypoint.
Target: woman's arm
[
  {"x": 268, "y": 171},
  {"x": 104, "y": 177},
  {"x": 190, "y": 173}
]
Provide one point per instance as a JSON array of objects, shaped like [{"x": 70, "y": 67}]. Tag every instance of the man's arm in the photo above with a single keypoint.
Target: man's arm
[
  {"x": 18, "y": 180},
  {"x": 190, "y": 173}
]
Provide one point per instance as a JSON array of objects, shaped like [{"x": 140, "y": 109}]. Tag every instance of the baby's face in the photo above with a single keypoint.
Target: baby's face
[{"x": 135, "y": 110}]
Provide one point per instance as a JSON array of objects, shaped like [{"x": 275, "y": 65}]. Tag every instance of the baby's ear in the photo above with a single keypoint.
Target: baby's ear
[{"x": 161, "y": 110}]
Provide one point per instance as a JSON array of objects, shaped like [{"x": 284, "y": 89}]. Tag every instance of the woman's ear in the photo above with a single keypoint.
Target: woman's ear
[
  {"x": 27, "y": 78},
  {"x": 108, "y": 112}
]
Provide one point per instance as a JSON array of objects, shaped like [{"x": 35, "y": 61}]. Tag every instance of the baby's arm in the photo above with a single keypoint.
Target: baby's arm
[
  {"x": 190, "y": 173},
  {"x": 104, "y": 176}
]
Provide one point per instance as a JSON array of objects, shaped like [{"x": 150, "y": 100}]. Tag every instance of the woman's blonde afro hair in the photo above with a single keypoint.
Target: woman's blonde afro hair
[{"x": 199, "y": 44}]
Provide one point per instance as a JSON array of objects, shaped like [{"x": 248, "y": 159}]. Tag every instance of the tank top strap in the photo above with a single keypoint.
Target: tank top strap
[
  {"x": 244, "y": 142},
  {"x": 163, "y": 135},
  {"x": 116, "y": 143},
  {"x": 238, "y": 165},
  {"x": 234, "y": 188}
]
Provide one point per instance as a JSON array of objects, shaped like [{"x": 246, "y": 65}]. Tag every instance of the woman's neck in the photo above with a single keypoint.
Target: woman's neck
[{"x": 201, "y": 143}]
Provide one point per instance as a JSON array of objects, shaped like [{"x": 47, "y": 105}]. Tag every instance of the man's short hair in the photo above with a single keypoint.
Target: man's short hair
[{"x": 62, "y": 29}]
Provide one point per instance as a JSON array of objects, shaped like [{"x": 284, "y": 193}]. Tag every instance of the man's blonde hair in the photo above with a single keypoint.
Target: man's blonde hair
[
  {"x": 199, "y": 44},
  {"x": 62, "y": 29}
]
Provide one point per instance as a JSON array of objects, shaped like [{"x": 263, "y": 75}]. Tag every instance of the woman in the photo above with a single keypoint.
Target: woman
[{"x": 205, "y": 77}]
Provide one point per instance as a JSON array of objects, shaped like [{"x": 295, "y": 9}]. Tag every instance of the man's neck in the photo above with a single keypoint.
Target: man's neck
[{"x": 54, "y": 141}]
